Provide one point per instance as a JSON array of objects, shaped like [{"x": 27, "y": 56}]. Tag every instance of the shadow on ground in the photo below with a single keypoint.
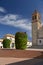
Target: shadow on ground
[
  {"x": 35, "y": 61},
  {"x": 39, "y": 57}
]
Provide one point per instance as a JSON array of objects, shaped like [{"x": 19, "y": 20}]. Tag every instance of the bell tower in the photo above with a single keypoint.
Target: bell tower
[{"x": 36, "y": 24}]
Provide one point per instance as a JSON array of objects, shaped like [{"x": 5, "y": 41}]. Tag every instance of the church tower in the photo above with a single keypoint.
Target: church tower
[{"x": 36, "y": 24}]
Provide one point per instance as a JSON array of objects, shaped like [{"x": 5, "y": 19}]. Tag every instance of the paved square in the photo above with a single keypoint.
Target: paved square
[
  {"x": 9, "y": 60},
  {"x": 20, "y": 61}
]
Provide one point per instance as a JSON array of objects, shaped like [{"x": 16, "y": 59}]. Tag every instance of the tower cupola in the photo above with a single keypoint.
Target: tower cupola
[{"x": 35, "y": 16}]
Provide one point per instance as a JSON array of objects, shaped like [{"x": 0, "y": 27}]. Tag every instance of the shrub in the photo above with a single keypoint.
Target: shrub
[
  {"x": 21, "y": 40},
  {"x": 6, "y": 43}
]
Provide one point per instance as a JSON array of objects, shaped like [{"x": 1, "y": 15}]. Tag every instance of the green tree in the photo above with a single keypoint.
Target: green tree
[
  {"x": 21, "y": 40},
  {"x": 6, "y": 43}
]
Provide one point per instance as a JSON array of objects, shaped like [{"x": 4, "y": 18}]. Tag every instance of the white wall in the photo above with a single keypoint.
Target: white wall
[
  {"x": 1, "y": 45},
  {"x": 8, "y": 37},
  {"x": 29, "y": 44}
]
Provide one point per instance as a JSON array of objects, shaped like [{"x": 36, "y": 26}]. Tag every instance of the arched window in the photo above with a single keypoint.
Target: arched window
[
  {"x": 40, "y": 41},
  {"x": 35, "y": 17}
]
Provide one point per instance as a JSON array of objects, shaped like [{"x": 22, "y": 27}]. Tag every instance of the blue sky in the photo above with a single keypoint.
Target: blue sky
[{"x": 15, "y": 15}]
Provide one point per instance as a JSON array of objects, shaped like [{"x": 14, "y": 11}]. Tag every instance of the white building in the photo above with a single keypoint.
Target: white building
[
  {"x": 1, "y": 45},
  {"x": 29, "y": 44},
  {"x": 12, "y": 38}
]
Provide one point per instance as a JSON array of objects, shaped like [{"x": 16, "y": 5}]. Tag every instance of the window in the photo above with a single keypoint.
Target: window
[
  {"x": 12, "y": 45},
  {"x": 1, "y": 46},
  {"x": 35, "y": 17},
  {"x": 40, "y": 41}
]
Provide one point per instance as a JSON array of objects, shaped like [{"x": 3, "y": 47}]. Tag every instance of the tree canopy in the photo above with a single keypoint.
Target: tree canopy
[
  {"x": 21, "y": 40},
  {"x": 6, "y": 43}
]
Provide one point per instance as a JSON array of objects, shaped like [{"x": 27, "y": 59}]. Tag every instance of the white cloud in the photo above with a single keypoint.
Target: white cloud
[
  {"x": 14, "y": 20},
  {"x": 17, "y": 21},
  {"x": 2, "y": 10}
]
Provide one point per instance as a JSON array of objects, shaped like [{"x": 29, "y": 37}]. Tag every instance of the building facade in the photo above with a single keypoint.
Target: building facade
[{"x": 37, "y": 29}]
